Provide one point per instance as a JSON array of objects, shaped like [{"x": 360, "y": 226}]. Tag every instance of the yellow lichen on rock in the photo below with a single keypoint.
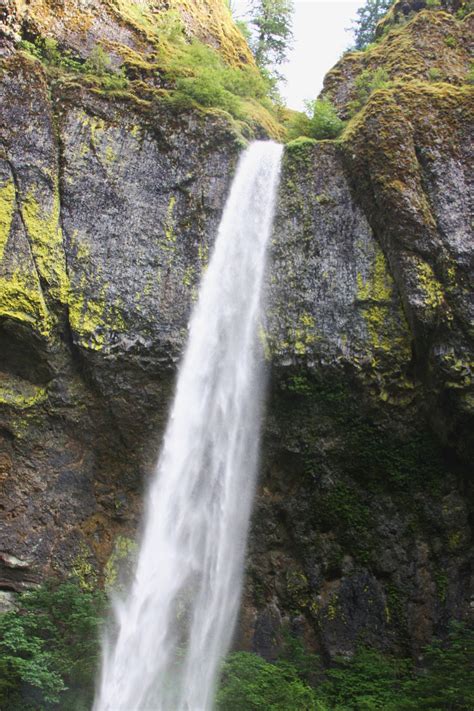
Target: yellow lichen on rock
[
  {"x": 122, "y": 558},
  {"x": 7, "y": 209},
  {"x": 433, "y": 294},
  {"x": 375, "y": 292},
  {"x": 46, "y": 239},
  {"x": 20, "y": 394},
  {"x": 23, "y": 300}
]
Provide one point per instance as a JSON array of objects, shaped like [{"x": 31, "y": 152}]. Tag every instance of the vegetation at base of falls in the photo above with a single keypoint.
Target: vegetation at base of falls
[
  {"x": 249, "y": 683},
  {"x": 365, "y": 26},
  {"x": 49, "y": 652},
  {"x": 180, "y": 71},
  {"x": 320, "y": 121},
  {"x": 49, "y": 648},
  {"x": 367, "y": 681}
]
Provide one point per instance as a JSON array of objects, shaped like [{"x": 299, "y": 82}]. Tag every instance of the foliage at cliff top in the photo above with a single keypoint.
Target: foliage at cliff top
[
  {"x": 132, "y": 24},
  {"x": 176, "y": 68},
  {"x": 430, "y": 45},
  {"x": 365, "y": 25}
]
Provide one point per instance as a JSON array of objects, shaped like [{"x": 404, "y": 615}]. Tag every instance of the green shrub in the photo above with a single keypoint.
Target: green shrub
[
  {"x": 470, "y": 74},
  {"x": 200, "y": 74},
  {"x": 49, "y": 649},
  {"x": 249, "y": 683},
  {"x": 320, "y": 121},
  {"x": 98, "y": 62},
  {"x": 446, "y": 680},
  {"x": 366, "y": 83},
  {"x": 435, "y": 74},
  {"x": 367, "y": 681},
  {"x": 465, "y": 10},
  {"x": 433, "y": 4}
]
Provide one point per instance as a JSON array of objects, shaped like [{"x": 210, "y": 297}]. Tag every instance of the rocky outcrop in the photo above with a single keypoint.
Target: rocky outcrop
[
  {"x": 128, "y": 30},
  {"x": 109, "y": 205},
  {"x": 431, "y": 47}
]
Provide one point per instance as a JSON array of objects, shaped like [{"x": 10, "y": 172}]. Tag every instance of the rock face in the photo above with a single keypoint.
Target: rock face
[{"x": 361, "y": 530}]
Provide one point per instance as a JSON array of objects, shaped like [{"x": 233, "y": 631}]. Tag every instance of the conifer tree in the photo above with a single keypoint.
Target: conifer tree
[
  {"x": 366, "y": 23},
  {"x": 271, "y": 21}
]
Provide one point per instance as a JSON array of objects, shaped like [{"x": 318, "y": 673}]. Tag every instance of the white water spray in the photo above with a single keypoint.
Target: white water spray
[{"x": 177, "y": 620}]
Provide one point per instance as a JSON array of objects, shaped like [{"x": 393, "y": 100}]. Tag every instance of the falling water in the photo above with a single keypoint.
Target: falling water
[{"x": 176, "y": 623}]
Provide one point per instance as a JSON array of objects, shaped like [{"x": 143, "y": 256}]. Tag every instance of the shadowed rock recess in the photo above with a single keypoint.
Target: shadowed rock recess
[{"x": 109, "y": 205}]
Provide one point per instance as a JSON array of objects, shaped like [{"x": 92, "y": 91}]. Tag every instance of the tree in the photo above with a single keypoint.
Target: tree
[
  {"x": 271, "y": 21},
  {"x": 319, "y": 121},
  {"x": 249, "y": 683},
  {"x": 446, "y": 681},
  {"x": 49, "y": 649},
  {"x": 366, "y": 23}
]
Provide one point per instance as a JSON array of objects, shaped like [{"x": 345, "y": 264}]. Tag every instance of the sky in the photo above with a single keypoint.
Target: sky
[{"x": 319, "y": 40}]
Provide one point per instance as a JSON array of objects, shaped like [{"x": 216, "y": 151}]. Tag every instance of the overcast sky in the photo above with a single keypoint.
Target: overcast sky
[{"x": 319, "y": 40}]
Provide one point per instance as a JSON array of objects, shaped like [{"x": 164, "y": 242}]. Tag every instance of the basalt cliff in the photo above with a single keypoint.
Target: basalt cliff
[{"x": 109, "y": 205}]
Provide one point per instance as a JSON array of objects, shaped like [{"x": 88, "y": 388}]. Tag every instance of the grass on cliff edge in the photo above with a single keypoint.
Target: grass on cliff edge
[
  {"x": 188, "y": 73},
  {"x": 49, "y": 654}
]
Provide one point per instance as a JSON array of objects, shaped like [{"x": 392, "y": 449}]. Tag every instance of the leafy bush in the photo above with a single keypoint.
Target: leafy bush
[
  {"x": 366, "y": 83},
  {"x": 367, "y": 681},
  {"x": 470, "y": 74},
  {"x": 98, "y": 61},
  {"x": 446, "y": 680},
  {"x": 451, "y": 42},
  {"x": 320, "y": 121},
  {"x": 465, "y": 10},
  {"x": 49, "y": 649},
  {"x": 200, "y": 74},
  {"x": 46, "y": 49},
  {"x": 249, "y": 683},
  {"x": 435, "y": 74}
]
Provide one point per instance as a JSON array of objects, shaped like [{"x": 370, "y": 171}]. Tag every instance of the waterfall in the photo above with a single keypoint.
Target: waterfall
[{"x": 177, "y": 619}]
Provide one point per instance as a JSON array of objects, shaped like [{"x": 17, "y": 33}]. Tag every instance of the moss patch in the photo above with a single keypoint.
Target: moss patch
[
  {"x": 46, "y": 238},
  {"x": 7, "y": 208}
]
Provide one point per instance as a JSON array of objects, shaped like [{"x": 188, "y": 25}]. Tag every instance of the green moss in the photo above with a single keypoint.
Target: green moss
[
  {"x": 203, "y": 254},
  {"x": 302, "y": 335},
  {"x": 454, "y": 540},
  {"x": 441, "y": 582},
  {"x": 46, "y": 239},
  {"x": 122, "y": 559},
  {"x": 170, "y": 237},
  {"x": 7, "y": 208},
  {"x": 83, "y": 570},
  {"x": 376, "y": 294},
  {"x": 331, "y": 610},
  {"x": 429, "y": 286},
  {"x": 189, "y": 276},
  {"x": 264, "y": 342},
  {"x": 91, "y": 315},
  {"x": 95, "y": 320}
]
